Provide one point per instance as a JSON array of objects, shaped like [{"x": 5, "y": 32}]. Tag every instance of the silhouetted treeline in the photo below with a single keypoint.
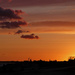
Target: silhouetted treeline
[{"x": 14, "y": 66}]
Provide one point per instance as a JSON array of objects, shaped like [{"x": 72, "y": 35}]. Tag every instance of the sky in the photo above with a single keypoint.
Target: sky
[{"x": 37, "y": 29}]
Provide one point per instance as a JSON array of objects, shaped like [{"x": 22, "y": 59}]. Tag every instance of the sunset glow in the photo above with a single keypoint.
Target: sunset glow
[{"x": 37, "y": 29}]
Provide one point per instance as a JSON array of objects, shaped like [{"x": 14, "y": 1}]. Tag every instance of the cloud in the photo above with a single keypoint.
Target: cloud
[
  {"x": 52, "y": 24},
  {"x": 31, "y": 36},
  {"x": 10, "y": 14},
  {"x": 21, "y": 31},
  {"x": 9, "y": 18},
  {"x": 20, "y": 3},
  {"x": 11, "y": 25}
]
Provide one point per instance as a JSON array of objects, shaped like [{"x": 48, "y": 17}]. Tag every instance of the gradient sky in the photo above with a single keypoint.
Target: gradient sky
[{"x": 37, "y": 29}]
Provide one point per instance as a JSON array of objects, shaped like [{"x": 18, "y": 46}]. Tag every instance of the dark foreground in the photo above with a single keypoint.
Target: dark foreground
[
  {"x": 59, "y": 71},
  {"x": 38, "y": 68}
]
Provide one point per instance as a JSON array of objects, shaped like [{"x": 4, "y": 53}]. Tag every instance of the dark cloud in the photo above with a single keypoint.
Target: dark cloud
[
  {"x": 9, "y": 18},
  {"x": 31, "y": 36},
  {"x": 10, "y": 14},
  {"x": 11, "y": 25},
  {"x": 21, "y": 31}
]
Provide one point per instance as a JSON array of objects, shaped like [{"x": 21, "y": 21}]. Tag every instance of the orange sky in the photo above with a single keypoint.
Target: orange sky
[
  {"x": 49, "y": 46},
  {"x": 50, "y": 26}
]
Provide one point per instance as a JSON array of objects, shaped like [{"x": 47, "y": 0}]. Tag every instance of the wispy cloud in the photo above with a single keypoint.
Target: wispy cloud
[
  {"x": 21, "y": 3},
  {"x": 52, "y": 24}
]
